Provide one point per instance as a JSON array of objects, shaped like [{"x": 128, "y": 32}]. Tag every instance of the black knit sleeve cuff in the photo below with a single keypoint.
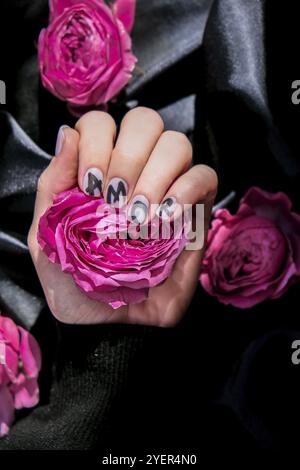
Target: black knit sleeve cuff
[{"x": 78, "y": 341}]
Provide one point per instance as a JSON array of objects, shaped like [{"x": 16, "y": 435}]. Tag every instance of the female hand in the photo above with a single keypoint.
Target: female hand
[{"x": 144, "y": 160}]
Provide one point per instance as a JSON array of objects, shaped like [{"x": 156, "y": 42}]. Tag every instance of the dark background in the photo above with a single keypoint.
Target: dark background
[{"x": 223, "y": 378}]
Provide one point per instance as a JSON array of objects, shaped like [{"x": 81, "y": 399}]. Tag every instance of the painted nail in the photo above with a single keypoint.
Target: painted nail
[
  {"x": 60, "y": 139},
  {"x": 93, "y": 182},
  {"x": 167, "y": 208},
  {"x": 116, "y": 194},
  {"x": 138, "y": 210}
]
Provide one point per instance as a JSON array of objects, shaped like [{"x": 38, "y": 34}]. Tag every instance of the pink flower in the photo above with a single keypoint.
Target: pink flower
[
  {"x": 20, "y": 363},
  {"x": 253, "y": 255},
  {"x": 85, "y": 53},
  {"x": 80, "y": 233}
]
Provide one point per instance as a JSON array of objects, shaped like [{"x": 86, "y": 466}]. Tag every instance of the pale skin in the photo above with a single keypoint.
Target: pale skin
[{"x": 154, "y": 163}]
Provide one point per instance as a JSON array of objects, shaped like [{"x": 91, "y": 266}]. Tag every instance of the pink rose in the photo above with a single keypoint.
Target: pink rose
[
  {"x": 253, "y": 255},
  {"x": 80, "y": 233},
  {"x": 20, "y": 363},
  {"x": 85, "y": 53}
]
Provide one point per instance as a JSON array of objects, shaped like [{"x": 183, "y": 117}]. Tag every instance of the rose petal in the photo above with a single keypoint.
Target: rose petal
[
  {"x": 85, "y": 55},
  {"x": 6, "y": 410},
  {"x": 253, "y": 255},
  {"x": 125, "y": 11},
  {"x": 26, "y": 395},
  {"x": 114, "y": 270},
  {"x": 30, "y": 354}
]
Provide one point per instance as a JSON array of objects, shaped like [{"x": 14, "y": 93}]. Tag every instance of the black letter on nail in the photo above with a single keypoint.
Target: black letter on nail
[
  {"x": 93, "y": 184},
  {"x": 166, "y": 209},
  {"x": 113, "y": 196},
  {"x": 139, "y": 212}
]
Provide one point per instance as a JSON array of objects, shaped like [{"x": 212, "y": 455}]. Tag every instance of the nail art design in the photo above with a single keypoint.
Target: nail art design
[
  {"x": 116, "y": 194},
  {"x": 138, "y": 211},
  {"x": 93, "y": 182},
  {"x": 60, "y": 139},
  {"x": 167, "y": 208}
]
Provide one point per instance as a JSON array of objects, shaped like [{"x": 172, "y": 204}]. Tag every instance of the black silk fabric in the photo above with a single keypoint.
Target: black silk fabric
[{"x": 220, "y": 71}]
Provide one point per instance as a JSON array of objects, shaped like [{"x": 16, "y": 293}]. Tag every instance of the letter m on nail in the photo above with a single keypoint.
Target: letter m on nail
[{"x": 114, "y": 195}]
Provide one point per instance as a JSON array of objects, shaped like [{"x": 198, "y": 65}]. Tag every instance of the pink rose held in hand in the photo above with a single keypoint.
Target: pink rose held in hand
[
  {"x": 20, "y": 363},
  {"x": 76, "y": 232},
  {"x": 85, "y": 53},
  {"x": 253, "y": 255}
]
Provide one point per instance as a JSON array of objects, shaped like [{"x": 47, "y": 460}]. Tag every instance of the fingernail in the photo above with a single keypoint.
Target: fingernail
[
  {"x": 116, "y": 194},
  {"x": 60, "y": 139},
  {"x": 138, "y": 210},
  {"x": 93, "y": 182},
  {"x": 167, "y": 208}
]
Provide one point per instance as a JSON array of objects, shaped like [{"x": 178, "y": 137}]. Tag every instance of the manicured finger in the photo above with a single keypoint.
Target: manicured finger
[
  {"x": 97, "y": 132},
  {"x": 61, "y": 174},
  {"x": 140, "y": 130},
  {"x": 171, "y": 156},
  {"x": 185, "y": 274},
  {"x": 195, "y": 186},
  {"x": 167, "y": 302}
]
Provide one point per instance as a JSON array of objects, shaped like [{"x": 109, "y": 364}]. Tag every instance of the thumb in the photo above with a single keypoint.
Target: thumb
[{"x": 61, "y": 174}]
